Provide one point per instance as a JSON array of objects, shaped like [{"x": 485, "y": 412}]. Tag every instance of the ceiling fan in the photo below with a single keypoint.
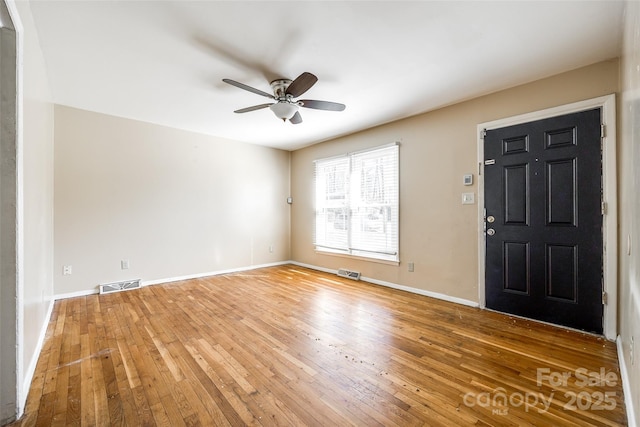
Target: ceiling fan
[{"x": 284, "y": 92}]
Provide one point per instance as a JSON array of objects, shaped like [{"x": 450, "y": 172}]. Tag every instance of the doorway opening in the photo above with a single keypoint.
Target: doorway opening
[{"x": 606, "y": 107}]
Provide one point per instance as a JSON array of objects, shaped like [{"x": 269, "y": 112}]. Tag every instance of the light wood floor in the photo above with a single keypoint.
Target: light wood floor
[{"x": 290, "y": 346}]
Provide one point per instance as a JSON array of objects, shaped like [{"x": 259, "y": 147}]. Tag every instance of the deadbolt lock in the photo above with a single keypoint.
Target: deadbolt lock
[{"x": 490, "y": 218}]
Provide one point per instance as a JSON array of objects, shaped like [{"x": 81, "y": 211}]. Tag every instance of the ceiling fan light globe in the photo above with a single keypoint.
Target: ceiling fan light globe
[{"x": 284, "y": 110}]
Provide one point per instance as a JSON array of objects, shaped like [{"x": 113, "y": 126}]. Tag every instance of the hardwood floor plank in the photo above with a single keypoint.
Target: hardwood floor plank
[
  {"x": 143, "y": 409},
  {"x": 45, "y": 410},
  {"x": 74, "y": 393},
  {"x": 200, "y": 385},
  {"x": 227, "y": 396},
  {"x": 87, "y": 403},
  {"x": 97, "y": 352},
  {"x": 230, "y": 364},
  {"x": 62, "y": 391},
  {"x": 288, "y": 346}
]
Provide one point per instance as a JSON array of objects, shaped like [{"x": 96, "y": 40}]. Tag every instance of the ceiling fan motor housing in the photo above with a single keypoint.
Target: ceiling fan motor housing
[{"x": 280, "y": 89}]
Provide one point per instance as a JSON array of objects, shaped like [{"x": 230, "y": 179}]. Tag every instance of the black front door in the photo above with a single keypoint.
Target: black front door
[{"x": 543, "y": 193}]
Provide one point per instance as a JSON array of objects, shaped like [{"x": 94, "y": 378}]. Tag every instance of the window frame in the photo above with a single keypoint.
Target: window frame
[{"x": 326, "y": 209}]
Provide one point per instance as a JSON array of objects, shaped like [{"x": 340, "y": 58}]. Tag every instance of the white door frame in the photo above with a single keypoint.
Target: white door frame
[
  {"x": 610, "y": 221},
  {"x": 10, "y": 211}
]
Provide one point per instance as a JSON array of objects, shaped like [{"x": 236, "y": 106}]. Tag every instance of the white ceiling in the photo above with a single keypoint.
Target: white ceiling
[{"x": 163, "y": 61}]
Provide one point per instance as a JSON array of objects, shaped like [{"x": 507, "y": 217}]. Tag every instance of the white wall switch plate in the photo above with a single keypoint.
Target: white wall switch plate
[{"x": 468, "y": 198}]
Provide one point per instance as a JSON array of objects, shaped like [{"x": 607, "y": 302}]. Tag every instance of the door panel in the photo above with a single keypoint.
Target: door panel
[
  {"x": 561, "y": 279},
  {"x": 516, "y": 194},
  {"x": 516, "y": 262},
  {"x": 543, "y": 188},
  {"x": 561, "y": 192}
]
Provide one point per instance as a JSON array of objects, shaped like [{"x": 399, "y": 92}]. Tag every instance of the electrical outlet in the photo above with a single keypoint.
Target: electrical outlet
[
  {"x": 124, "y": 264},
  {"x": 410, "y": 267},
  {"x": 67, "y": 270},
  {"x": 271, "y": 248}
]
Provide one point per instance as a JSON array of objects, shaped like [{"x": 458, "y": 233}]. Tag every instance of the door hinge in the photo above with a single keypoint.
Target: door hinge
[
  {"x": 603, "y": 130},
  {"x": 604, "y": 208},
  {"x": 483, "y": 133},
  {"x": 604, "y": 298}
]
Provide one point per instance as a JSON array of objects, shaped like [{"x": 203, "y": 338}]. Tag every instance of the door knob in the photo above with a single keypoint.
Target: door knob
[{"x": 491, "y": 232}]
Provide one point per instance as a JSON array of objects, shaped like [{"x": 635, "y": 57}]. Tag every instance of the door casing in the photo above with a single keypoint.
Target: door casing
[{"x": 609, "y": 173}]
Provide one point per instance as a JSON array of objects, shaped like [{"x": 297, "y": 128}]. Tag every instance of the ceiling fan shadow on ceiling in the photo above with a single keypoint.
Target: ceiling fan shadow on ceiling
[{"x": 284, "y": 93}]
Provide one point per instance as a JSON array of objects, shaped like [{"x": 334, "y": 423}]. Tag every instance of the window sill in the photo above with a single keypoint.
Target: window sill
[{"x": 357, "y": 257}]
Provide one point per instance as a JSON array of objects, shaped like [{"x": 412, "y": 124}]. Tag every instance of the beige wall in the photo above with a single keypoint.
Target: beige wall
[
  {"x": 629, "y": 209},
  {"x": 173, "y": 203},
  {"x": 437, "y": 232}
]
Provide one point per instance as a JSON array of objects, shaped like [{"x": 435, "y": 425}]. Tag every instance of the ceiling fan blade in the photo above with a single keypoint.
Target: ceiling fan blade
[
  {"x": 253, "y": 108},
  {"x": 297, "y": 118},
  {"x": 321, "y": 105},
  {"x": 249, "y": 88},
  {"x": 301, "y": 84}
]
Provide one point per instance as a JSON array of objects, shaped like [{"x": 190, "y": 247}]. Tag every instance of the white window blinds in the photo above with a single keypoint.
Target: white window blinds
[{"x": 357, "y": 209}]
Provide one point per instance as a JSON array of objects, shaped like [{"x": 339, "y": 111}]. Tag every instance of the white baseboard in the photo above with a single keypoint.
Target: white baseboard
[
  {"x": 31, "y": 369},
  {"x": 175, "y": 279},
  {"x": 211, "y": 273},
  {"x": 315, "y": 267},
  {"x": 431, "y": 294},
  {"x": 75, "y": 294},
  {"x": 626, "y": 385}
]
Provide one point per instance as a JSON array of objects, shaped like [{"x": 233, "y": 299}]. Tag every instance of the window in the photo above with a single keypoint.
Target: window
[{"x": 357, "y": 204}]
